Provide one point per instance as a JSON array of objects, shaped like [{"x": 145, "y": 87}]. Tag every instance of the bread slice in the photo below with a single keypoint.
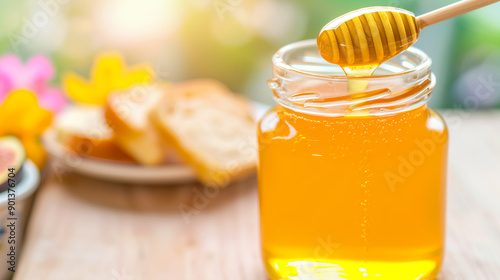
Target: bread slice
[
  {"x": 127, "y": 113},
  {"x": 83, "y": 130},
  {"x": 211, "y": 128}
]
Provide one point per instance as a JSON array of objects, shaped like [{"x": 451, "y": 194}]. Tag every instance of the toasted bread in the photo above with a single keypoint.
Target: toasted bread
[
  {"x": 211, "y": 128},
  {"x": 83, "y": 129},
  {"x": 127, "y": 113}
]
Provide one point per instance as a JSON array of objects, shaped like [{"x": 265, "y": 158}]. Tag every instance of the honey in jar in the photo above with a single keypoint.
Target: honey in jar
[{"x": 351, "y": 185}]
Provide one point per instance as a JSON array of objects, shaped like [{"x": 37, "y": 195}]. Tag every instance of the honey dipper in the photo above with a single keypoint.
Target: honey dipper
[{"x": 361, "y": 40}]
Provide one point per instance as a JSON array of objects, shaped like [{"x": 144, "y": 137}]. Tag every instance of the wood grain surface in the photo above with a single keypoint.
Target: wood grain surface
[{"x": 83, "y": 228}]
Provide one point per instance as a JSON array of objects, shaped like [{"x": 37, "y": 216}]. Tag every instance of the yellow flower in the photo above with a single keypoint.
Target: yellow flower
[
  {"x": 109, "y": 73},
  {"x": 21, "y": 116}
]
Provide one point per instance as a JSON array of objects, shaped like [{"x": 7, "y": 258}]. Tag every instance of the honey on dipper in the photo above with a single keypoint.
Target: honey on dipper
[{"x": 363, "y": 39}]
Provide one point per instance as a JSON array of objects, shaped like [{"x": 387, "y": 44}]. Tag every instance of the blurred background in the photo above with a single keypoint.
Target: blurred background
[{"x": 233, "y": 40}]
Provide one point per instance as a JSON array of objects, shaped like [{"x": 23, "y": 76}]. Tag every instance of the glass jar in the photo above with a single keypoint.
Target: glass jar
[{"x": 352, "y": 172}]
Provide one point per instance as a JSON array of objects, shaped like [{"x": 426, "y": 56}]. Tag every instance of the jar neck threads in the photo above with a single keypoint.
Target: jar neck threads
[{"x": 303, "y": 81}]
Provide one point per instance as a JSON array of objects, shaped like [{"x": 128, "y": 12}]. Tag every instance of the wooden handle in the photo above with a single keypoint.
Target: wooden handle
[{"x": 452, "y": 10}]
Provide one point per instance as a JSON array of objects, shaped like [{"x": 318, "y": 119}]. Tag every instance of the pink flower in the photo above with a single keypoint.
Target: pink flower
[{"x": 34, "y": 76}]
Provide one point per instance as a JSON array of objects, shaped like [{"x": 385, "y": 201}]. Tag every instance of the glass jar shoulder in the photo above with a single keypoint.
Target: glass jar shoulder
[
  {"x": 273, "y": 124},
  {"x": 436, "y": 126}
]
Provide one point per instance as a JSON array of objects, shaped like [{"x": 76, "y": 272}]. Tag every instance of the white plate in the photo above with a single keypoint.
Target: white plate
[
  {"x": 124, "y": 172},
  {"x": 115, "y": 171}
]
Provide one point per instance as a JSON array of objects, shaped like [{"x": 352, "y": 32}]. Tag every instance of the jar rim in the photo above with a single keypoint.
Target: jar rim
[
  {"x": 279, "y": 60},
  {"x": 303, "y": 80}
]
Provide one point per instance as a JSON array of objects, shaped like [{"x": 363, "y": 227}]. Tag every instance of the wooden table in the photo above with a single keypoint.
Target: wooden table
[{"x": 83, "y": 228}]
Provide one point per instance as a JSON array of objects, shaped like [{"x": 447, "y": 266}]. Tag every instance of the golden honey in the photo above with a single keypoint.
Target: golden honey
[{"x": 351, "y": 186}]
